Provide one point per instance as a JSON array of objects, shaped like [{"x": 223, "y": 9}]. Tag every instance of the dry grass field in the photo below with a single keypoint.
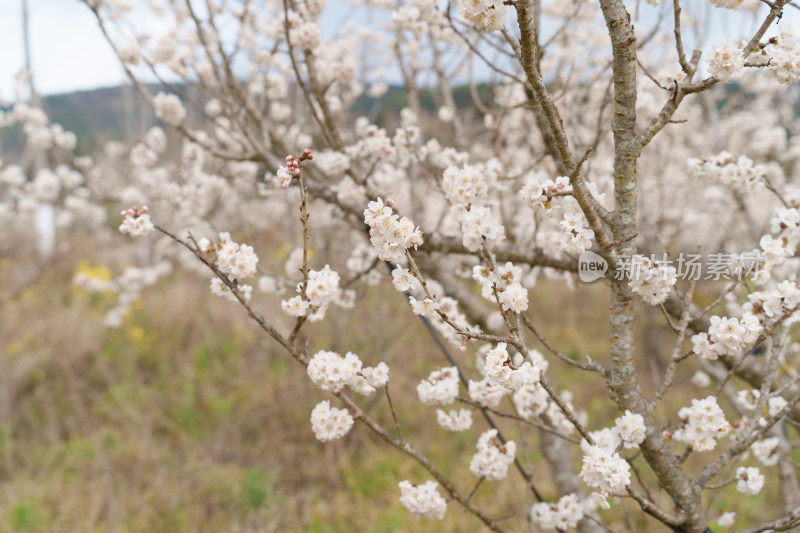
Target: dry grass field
[{"x": 187, "y": 419}]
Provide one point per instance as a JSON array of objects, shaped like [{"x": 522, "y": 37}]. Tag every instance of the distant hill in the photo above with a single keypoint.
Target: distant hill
[
  {"x": 116, "y": 113},
  {"x": 101, "y": 114},
  {"x": 95, "y": 116}
]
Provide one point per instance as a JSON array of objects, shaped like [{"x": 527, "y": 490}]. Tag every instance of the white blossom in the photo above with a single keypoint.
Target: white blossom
[
  {"x": 728, "y": 4},
  {"x": 631, "y": 429},
  {"x": 390, "y": 235},
  {"x": 740, "y": 174},
  {"x": 295, "y": 306},
  {"x": 377, "y": 376},
  {"x": 703, "y": 423},
  {"x": 486, "y": 14},
  {"x": 726, "y": 519},
  {"x": 531, "y": 401},
  {"x": 749, "y": 480},
  {"x": 465, "y": 185},
  {"x": 564, "y": 514},
  {"x": 424, "y": 501},
  {"x": 766, "y": 451},
  {"x": 485, "y": 393},
  {"x": 499, "y": 370},
  {"x": 440, "y": 387},
  {"x": 650, "y": 280},
  {"x": 605, "y": 470},
  {"x": 237, "y": 261},
  {"x": 169, "y": 108},
  {"x": 219, "y": 288},
  {"x": 538, "y": 191},
  {"x": 492, "y": 459},
  {"x": 700, "y": 379},
  {"x": 136, "y": 226},
  {"x": 747, "y": 398},
  {"x": 403, "y": 280},
  {"x": 726, "y": 62},
  {"x": 331, "y": 371},
  {"x": 330, "y": 423},
  {"x": 453, "y": 420}
]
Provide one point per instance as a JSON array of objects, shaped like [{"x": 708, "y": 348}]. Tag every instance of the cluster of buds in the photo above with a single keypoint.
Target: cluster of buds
[
  {"x": 134, "y": 212},
  {"x": 292, "y": 168}
]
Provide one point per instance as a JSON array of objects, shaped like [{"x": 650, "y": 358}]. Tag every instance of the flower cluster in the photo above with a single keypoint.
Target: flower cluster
[
  {"x": 321, "y": 291},
  {"x": 738, "y": 174},
  {"x": 700, "y": 379},
  {"x": 703, "y": 423},
  {"x": 766, "y": 451},
  {"x": 538, "y": 194},
  {"x": 330, "y": 423},
  {"x": 424, "y": 501},
  {"x": 577, "y": 236},
  {"x": 748, "y": 399},
  {"x": 237, "y": 261},
  {"x": 426, "y": 307},
  {"x": 775, "y": 303},
  {"x": 775, "y": 252},
  {"x": 749, "y": 480},
  {"x": 726, "y": 62},
  {"x": 440, "y": 387},
  {"x": 786, "y": 223},
  {"x": 486, "y": 393},
  {"x": 330, "y": 371},
  {"x": 531, "y": 402},
  {"x": 403, "y": 280},
  {"x": 169, "y": 108},
  {"x": 332, "y": 163},
  {"x": 465, "y": 186},
  {"x": 492, "y": 459},
  {"x": 605, "y": 470},
  {"x": 562, "y": 515},
  {"x": 219, "y": 288},
  {"x": 466, "y": 189},
  {"x": 652, "y": 280},
  {"x": 390, "y": 235},
  {"x": 499, "y": 371},
  {"x": 607, "y": 438},
  {"x": 488, "y": 15},
  {"x": 46, "y": 187},
  {"x": 726, "y": 519},
  {"x": 407, "y": 19},
  {"x": 478, "y": 226},
  {"x": 726, "y": 336},
  {"x": 631, "y": 429},
  {"x": 304, "y": 34},
  {"x": 507, "y": 281},
  {"x": 455, "y": 420},
  {"x": 784, "y": 59},
  {"x": 137, "y": 222}
]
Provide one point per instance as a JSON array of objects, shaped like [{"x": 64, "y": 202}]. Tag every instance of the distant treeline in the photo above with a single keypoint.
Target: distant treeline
[{"x": 118, "y": 113}]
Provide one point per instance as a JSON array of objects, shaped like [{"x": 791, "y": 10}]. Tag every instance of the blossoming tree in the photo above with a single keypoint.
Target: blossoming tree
[{"x": 601, "y": 135}]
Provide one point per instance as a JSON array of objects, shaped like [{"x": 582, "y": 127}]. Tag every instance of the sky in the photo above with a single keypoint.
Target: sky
[{"x": 69, "y": 52}]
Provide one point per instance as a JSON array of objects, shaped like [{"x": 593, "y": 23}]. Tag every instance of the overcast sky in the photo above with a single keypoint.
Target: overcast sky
[
  {"x": 67, "y": 48},
  {"x": 69, "y": 52}
]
